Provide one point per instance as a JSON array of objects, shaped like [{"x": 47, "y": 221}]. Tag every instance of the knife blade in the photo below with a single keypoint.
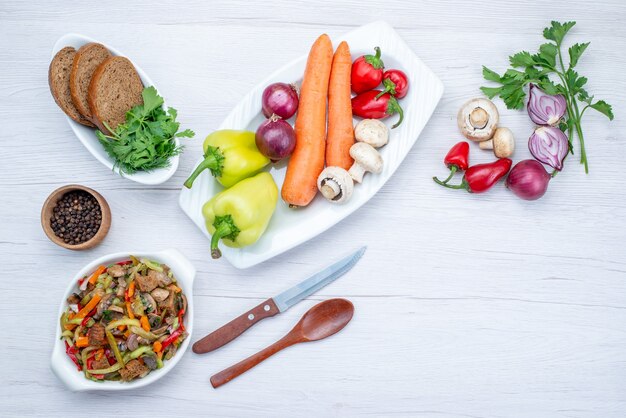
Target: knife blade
[{"x": 276, "y": 305}]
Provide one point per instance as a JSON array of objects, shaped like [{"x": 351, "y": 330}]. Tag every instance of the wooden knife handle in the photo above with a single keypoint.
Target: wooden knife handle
[{"x": 235, "y": 328}]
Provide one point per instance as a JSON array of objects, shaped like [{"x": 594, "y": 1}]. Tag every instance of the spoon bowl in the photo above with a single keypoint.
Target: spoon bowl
[
  {"x": 324, "y": 319},
  {"x": 321, "y": 321}
]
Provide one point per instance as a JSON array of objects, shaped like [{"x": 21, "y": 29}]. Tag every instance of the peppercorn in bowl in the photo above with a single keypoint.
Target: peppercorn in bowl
[
  {"x": 125, "y": 321},
  {"x": 75, "y": 217}
]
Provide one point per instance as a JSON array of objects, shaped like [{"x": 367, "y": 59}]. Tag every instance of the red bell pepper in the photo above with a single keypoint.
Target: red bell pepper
[
  {"x": 367, "y": 72},
  {"x": 123, "y": 263},
  {"x": 367, "y": 105},
  {"x": 169, "y": 340},
  {"x": 396, "y": 83},
  {"x": 88, "y": 317},
  {"x": 457, "y": 159},
  {"x": 71, "y": 352},
  {"x": 481, "y": 177}
]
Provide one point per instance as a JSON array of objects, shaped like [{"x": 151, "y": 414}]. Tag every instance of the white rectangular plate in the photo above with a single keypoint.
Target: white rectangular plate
[
  {"x": 291, "y": 227},
  {"x": 87, "y": 135}
]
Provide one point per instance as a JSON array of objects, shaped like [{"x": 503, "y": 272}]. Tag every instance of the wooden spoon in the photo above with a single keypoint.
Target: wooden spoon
[{"x": 321, "y": 321}]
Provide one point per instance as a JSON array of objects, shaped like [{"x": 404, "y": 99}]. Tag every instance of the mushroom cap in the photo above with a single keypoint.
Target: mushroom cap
[
  {"x": 372, "y": 131},
  {"x": 503, "y": 143},
  {"x": 335, "y": 184},
  {"x": 366, "y": 156},
  {"x": 478, "y": 119}
]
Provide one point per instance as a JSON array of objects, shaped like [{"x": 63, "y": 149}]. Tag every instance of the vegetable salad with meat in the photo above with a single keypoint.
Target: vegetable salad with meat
[{"x": 125, "y": 320}]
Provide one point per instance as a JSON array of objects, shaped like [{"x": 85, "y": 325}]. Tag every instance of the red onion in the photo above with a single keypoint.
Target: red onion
[
  {"x": 543, "y": 108},
  {"x": 549, "y": 145},
  {"x": 275, "y": 138},
  {"x": 528, "y": 180},
  {"x": 280, "y": 99}
]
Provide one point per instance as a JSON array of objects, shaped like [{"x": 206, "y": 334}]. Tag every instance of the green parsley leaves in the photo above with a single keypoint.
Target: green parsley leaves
[
  {"x": 538, "y": 68},
  {"x": 146, "y": 141}
]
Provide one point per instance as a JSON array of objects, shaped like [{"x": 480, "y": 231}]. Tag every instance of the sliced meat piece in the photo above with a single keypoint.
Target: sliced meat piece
[
  {"x": 87, "y": 59},
  {"x": 169, "y": 304},
  {"x": 146, "y": 283},
  {"x": 103, "y": 363},
  {"x": 116, "y": 270},
  {"x": 115, "y": 88},
  {"x": 161, "y": 277},
  {"x": 73, "y": 299},
  {"x": 59, "y": 81},
  {"x": 133, "y": 369},
  {"x": 96, "y": 335}
]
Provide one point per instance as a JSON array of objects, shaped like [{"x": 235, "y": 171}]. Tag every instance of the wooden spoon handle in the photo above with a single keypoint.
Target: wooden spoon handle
[
  {"x": 243, "y": 366},
  {"x": 235, "y": 328}
]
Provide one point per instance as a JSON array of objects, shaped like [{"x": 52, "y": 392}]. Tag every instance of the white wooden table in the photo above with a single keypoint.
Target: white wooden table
[{"x": 466, "y": 305}]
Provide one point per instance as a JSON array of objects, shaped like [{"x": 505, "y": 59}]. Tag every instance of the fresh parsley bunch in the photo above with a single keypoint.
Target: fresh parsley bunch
[
  {"x": 146, "y": 141},
  {"x": 537, "y": 68}
]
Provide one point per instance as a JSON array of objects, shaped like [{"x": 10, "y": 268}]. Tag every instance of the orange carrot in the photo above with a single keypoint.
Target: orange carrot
[
  {"x": 89, "y": 306},
  {"x": 96, "y": 273},
  {"x": 82, "y": 342},
  {"x": 144, "y": 323},
  {"x": 157, "y": 346},
  {"x": 129, "y": 311},
  {"x": 131, "y": 289},
  {"x": 307, "y": 160},
  {"x": 340, "y": 130}
]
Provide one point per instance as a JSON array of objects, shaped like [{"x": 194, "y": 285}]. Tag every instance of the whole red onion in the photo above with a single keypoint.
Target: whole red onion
[
  {"x": 549, "y": 145},
  {"x": 543, "y": 108},
  {"x": 275, "y": 138},
  {"x": 280, "y": 99},
  {"x": 528, "y": 180}
]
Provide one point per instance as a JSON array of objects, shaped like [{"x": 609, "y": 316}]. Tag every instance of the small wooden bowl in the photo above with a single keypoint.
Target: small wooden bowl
[{"x": 51, "y": 202}]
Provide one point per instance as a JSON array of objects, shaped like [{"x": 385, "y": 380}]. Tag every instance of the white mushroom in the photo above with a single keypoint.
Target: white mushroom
[
  {"x": 502, "y": 143},
  {"x": 372, "y": 131},
  {"x": 335, "y": 184},
  {"x": 478, "y": 119},
  {"x": 366, "y": 158}
]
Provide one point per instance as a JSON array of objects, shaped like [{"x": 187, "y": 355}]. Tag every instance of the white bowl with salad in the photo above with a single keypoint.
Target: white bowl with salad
[{"x": 125, "y": 321}]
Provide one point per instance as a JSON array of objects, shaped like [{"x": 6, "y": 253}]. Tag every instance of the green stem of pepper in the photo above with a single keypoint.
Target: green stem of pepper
[
  {"x": 224, "y": 228},
  {"x": 213, "y": 161},
  {"x": 394, "y": 107},
  {"x": 453, "y": 169}
]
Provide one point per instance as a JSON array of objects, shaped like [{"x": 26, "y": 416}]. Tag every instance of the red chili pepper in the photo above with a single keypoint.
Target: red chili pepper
[
  {"x": 169, "y": 340},
  {"x": 71, "y": 352},
  {"x": 367, "y": 72},
  {"x": 480, "y": 177},
  {"x": 367, "y": 105},
  {"x": 180, "y": 319},
  {"x": 456, "y": 159},
  {"x": 396, "y": 83}
]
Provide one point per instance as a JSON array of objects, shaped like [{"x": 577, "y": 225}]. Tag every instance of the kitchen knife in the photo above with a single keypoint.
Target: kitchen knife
[{"x": 276, "y": 305}]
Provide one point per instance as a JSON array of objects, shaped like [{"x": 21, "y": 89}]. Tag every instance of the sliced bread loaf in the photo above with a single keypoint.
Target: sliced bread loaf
[
  {"x": 115, "y": 88},
  {"x": 87, "y": 59},
  {"x": 59, "y": 81}
]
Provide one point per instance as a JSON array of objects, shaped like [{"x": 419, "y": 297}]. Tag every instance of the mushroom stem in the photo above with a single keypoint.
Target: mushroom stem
[
  {"x": 486, "y": 144},
  {"x": 479, "y": 118},
  {"x": 330, "y": 189},
  {"x": 357, "y": 172}
]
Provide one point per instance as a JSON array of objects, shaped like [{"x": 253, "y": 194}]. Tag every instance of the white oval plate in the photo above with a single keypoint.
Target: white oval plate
[
  {"x": 65, "y": 369},
  {"x": 87, "y": 135},
  {"x": 288, "y": 227}
]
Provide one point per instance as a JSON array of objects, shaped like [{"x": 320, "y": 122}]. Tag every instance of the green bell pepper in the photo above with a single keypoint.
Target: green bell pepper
[
  {"x": 239, "y": 215},
  {"x": 231, "y": 156}
]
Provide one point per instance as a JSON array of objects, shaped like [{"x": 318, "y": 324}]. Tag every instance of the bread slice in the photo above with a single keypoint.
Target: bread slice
[
  {"x": 114, "y": 89},
  {"x": 59, "y": 81},
  {"x": 87, "y": 59}
]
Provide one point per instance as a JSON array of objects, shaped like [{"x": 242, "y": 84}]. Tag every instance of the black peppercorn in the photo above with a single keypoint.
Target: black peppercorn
[{"x": 77, "y": 217}]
